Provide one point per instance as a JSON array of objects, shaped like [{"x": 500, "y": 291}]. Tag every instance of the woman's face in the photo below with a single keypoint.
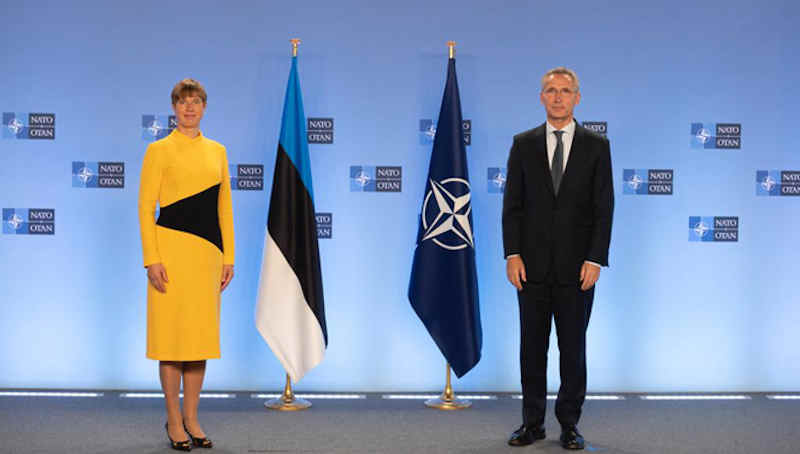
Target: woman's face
[{"x": 189, "y": 111}]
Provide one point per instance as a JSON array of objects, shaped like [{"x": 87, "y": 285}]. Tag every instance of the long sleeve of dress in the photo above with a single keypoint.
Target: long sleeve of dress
[
  {"x": 225, "y": 211},
  {"x": 149, "y": 187}
]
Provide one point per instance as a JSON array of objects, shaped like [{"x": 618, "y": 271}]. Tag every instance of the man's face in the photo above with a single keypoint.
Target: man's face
[{"x": 559, "y": 97}]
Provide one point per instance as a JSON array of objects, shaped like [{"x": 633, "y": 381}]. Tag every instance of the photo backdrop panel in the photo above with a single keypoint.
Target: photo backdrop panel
[{"x": 86, "y": 88}]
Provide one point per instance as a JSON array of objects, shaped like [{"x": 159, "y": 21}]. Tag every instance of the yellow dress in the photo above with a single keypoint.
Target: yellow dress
[{"x": 192, "y": 238}]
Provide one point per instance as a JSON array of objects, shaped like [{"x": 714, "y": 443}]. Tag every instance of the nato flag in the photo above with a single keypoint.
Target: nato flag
[{"x": 444, "y": 285}]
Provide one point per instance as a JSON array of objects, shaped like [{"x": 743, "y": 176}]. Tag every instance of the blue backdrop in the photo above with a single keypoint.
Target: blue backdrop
[{"x": 669, "y": 314}]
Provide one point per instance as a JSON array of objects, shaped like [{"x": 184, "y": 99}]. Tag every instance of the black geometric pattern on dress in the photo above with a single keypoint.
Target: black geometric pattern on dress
[{"x": 196, "y": 214}]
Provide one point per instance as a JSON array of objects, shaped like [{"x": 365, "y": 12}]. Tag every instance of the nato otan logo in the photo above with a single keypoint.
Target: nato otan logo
[
  {"x": 319, "y": 130},
  {"x": 647, "y": 181},
  {"x": 716, "y": 135},
  {"x": 778, "y": 182},
  {"x": 445, "y": 214},
  {"x": 376, "y": 179},
  {"x": 427, "y": 131},
  {"x": 155, "y": 127},
  {"x": 86, "y": 174},
  {"x": 247, "y": 177},
  {"x": 29, "y": 221},
  {"x": 496, "y": 179},
  {"x": 20, "y": 125},
  {"x": 324, "y": 225},
  {"x": 714, "y": 228},
  {"x": 600, "y": 127}
]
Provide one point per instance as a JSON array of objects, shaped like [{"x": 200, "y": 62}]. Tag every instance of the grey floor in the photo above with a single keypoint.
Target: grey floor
[{"x": 111, "y": 424}]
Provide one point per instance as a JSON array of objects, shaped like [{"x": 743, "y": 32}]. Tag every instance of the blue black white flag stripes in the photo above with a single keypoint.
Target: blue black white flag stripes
[
  {"x": 290, "y": 311},
  {"x": 444, "y": 284}
]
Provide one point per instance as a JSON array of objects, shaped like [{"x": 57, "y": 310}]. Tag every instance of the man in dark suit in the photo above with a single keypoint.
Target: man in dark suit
[{"x": 557, "y": 210}]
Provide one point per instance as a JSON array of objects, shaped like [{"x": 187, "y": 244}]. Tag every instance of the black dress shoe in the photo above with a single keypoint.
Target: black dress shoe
[
  {"x": 526, "y": 435},
  {"x": 185, "y": 445},
  {"x": 199, "y": 442},
  {"x": 571, "y": 438}
]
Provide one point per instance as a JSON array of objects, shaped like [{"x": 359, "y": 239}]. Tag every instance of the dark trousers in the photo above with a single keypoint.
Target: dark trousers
[{"x": 539, "y": 303}]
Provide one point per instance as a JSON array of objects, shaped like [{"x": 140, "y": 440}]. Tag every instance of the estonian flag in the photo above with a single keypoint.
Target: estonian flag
[
  {"x": 444, "y": 285},
  {"x": 290, "y": 312}
]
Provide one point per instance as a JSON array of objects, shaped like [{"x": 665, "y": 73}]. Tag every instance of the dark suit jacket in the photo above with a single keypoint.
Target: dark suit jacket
[{"x": 556, "y": 234}]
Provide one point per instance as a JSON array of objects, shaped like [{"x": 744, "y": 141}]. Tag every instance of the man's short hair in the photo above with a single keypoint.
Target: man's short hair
[
  {"x": 188, "y": 87},
  {"x": 563, "y": 71}
]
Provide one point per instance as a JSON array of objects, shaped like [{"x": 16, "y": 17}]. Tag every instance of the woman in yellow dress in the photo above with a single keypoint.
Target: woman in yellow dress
[{"x": 188, "y": 253}]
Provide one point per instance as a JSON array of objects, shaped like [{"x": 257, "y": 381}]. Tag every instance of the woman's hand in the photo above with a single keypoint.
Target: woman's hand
[
  {"x": 157, "y": 275},
  {"x": 227, "y": 275}
]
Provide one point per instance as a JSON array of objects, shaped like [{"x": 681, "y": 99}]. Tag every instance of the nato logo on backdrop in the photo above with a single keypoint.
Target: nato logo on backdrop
[
  {"x": 496, "y": 180},
  {"x": 714, "y": 228},
  {"x": 86, "y": 174},
  {"x": 247, "y": 177},
  {"x": 20, "y": 125},
  {"x": 427, "y": 131},
  {"x": 319, "y": 130},
  {"x": 324, "y": 225},
  {"x": 155, "y": 127},
  {"x": 716, "y": 136},
  {"x": 647, "y": 181},
  {"x": 778, "y": 182},
  {"x": 29, "y": 221},
  {"x": 600, "y": 127},
  {"x": 376, "y": 179}
]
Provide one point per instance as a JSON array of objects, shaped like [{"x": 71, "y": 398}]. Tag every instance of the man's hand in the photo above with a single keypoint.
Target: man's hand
[
  {"x": 157, "y": 275},
  {"x": 590, "y": 273},
  {"x": 515, "y": 271},
  {"x": 227, "y": 275}
]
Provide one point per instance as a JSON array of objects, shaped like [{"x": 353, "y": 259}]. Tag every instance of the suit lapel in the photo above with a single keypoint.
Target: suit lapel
[{"x": 540, "y": 144}]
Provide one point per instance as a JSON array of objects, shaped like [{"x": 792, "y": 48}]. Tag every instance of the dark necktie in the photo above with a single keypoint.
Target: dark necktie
[{"x": 557, "y": 168}]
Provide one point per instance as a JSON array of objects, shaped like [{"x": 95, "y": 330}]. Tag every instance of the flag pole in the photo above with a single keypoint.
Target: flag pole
[
  {"x": 288, "y": 401},
  {"x": 448, "y": 400}
]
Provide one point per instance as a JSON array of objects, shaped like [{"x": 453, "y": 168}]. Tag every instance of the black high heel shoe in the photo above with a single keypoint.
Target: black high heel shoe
[
  {"x": 197, "y": 441},
  {"x": 185, "y": 445}
]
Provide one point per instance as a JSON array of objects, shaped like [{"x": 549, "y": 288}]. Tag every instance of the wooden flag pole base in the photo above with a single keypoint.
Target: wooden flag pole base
[
  {"x": 287, "y": 401},
  {"x": 448, "y": 400}
]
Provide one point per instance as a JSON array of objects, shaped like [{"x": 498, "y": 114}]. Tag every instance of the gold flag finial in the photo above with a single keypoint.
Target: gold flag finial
[
  {"x": 452, "y": 46},
  {"x": 295, "y": 42}
]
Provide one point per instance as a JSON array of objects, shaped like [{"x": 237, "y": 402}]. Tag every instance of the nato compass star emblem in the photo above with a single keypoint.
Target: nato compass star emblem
[
  {"x": 450, "y": 227},
  {"x": 703, "y": 135},
  {"x": 700, "y": 229},
  {"x": 431, "y": 131},
  {"x": 362, "y": 178},
  {"x": 499, "y": 180},
  {"x": 635, "y": 181},
  {"x": 154, "y": 128},
  {"x": 85, "y": 175},
  {"x": 768, "y": 183},
  {"x": 14, "y": 125},
  {"x": 15, "y": 221}
]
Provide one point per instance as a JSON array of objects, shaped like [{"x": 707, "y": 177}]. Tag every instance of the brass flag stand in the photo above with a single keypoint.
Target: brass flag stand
[
  {"x": 448, "y": 400},
  {"x": 287, "y": 401}
]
